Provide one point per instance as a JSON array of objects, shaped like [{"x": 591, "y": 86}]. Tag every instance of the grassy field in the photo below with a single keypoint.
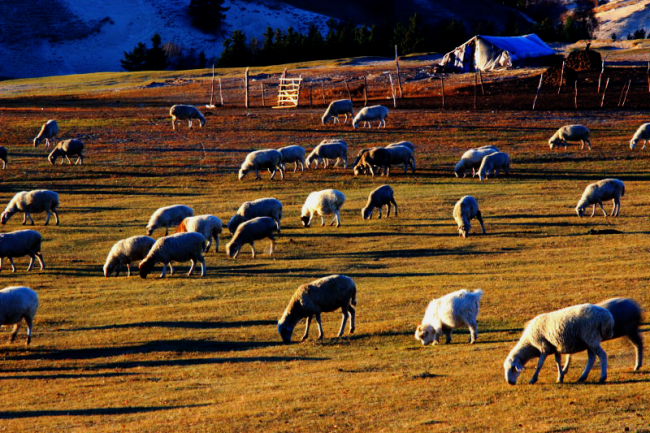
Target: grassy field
[{"x": 203, "y": 354}]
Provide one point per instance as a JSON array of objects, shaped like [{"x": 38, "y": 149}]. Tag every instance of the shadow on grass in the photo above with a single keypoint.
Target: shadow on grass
[
  {"x": 65, "y": 376},
  {"x": 203, "y": 361},
  {"x": 91, "y": 412},
  {"x": 413, "y": 253},
  {"x": 186, "y": 324}
]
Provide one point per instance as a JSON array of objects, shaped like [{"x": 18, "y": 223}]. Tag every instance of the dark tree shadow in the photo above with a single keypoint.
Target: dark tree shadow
[{"x": 91, "y": 412}]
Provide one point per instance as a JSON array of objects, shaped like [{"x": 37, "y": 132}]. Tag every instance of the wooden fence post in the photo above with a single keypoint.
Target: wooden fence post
[
  {"x": 559, "y": 86},
  {"x": 392, "y": 90},
  {"x": 600, "y": 76},
  {"x": 539, "y": 87},
  {"x": 347, "y": 88},
  {"x": 220, "y": 92},
  {"x": 399, "y": 79},
  {"x": 365, "y": 91},
  {"x": 620, "y": 97},
  {"x": 246, "y": 98},
  {"x": 602, "y": 100},
  {"x": 212, "y": 88},
  {"x": 575, "y": 94},
  {"x": 442, "y": 86},
  {"x": 311, "y": 92},
  {"x": 475, "y": 88},
  {"x": 629, "y": 84},
  {"x": 263, "y": 99},
  {"x": 322, "y": 92},
  {"x": 480, "y": 77}
]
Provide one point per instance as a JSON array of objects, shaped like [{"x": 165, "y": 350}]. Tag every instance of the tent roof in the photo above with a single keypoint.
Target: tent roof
[{"x": 520, "y": 47}]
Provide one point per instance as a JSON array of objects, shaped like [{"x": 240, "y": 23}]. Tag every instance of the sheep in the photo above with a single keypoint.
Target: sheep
[
  {"x": 3, "y": 156},
  {"x": 295, "y": 154},
  {"x": 377, "y": 199},
  {"x": 326, "y": 150},
  {"x": 168, "y": 216},
  {"x": 320, "y": 296},
  {"x": 325, "y": 202},
  {"x": 49, "y": 131},
  {"x": 251, "y": 231},
  {"x": 595, "y": 193},
  {"x": 368, "y": 114},
  {"x": 472, "y": 159},
  {"x": 401, "y": 154},
  {"x": 570, "y": 133},
  {"x": 179, "y": 247},
  {"x": 68, "y": 148},
  {"x": 641, "y": 134},
  {"x": 126, "y": 251},
  {"x": 493, "y": 163},
  {"x": 36, "y": 201},
  {"x": 271, "y": 207},
  {"x": 18, "y": 303},
  {"x": 336, "y": 108},
  {"x": 209, "y": 226},
  {"x": 270, "y": 159},
  {"x": 569, "y": 330},
  {"x": 21, "y": 243},
  {"x": 376, "y": 158},
  {"x": 449, "y": 312},
  {"x": 464, "y": 211},
  {"x": 403, "y": 143},
  {"x": 185, "y": 112}
]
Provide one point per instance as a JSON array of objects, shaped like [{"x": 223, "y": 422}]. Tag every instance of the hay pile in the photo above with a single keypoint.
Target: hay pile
[
  {"x": 585, "y": 60},
  {"x": 553, "y": 74}
]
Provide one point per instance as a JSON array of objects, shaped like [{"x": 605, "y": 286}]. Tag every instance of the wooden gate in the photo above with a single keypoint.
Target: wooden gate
[{"x": 288, "y": 92}]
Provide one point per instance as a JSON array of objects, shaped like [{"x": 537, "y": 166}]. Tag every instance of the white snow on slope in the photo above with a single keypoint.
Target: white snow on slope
[{"x": 622, "y": 17}]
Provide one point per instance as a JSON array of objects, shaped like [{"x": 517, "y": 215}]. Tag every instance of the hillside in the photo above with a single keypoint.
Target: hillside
[{"x": 622, "y": 17}]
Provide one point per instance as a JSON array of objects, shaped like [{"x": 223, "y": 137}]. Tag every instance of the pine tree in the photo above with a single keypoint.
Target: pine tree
[
  {"x": 135, "y": 60},
  {"x": 207, "y": 15}
]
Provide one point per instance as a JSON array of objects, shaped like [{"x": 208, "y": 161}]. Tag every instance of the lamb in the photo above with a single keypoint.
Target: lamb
[
  {"x": 376, "y": 158},
  {"x": 270, "y": 159},
  {"x": 325, "y": 202},
  {"x": 185, "y": 112},
  {"x": 459, "y": 308},
  {"x": 329, "y": 149},
  {"x": 401, "y": 154},
  {"x": 251, "y": 231},
  {"x": 295, "y": 154},
  {"x": 336, "y": 108},
  {"x": 21, "y": 243},
  {"x": 36, "y": 201},
  {"x": 368, "y": 114},
  {"x": 168, "y": 216},
  {"x": 595, "y": 193},
  {"x": 472, "y": 159},
  {"x": 179, "y": 247},
  {"x": 464, "y": 211},
  {"x": 641, "y": 134},
  {"x": 49, "y": 131},
  {"x": 271, "y": 207},
  {"x": 126, "y": 251},
  {"x": 378, "y": 198},
  {"x": 3, "y": 156},
  {"x": 17, "y": 304},
  {"x": 493, "y": 163},
  {"x": 570, "y": 330},
  {"x": 68, "y": 148},
  {"x": 320, "y": 296},
  {"x": 571, "y": 133},
  {"x": 209, "y": 226}
]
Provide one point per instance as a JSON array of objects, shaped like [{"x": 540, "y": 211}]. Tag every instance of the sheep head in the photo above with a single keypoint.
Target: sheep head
[
  {"x": 512, "y": 368},
  {"x": 285, "y": 330},
  {"x": 5, "y": 217},
  {"x": 425, "y": 334},
  {"x": 232, "y": 249},
  {"x": 580, "y": 210},
  {"x": 145, "y": 268},
  {"x": 305, "y": 220},
  {"x": 633, "y": 143},
  {"x": 242, "y": 173},
  {"x": 366, "y": 212},
  {"x": 463, "y": 231},
  {"x": 52, "y": 157}
]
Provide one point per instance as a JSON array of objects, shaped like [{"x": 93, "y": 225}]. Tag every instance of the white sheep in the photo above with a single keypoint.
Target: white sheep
[
  {"x": 400, "y": 154},
  {"x": 641, "y": 134},
  {"x": 570, "y": 330},
  {"x": 269, "y": 159},
  {"x": 325, "y": 202},
  {"x": 19, "y": 244},
  {"x": 377, "y": 199},
  {"x": 403, "y": 143},
  {"x": 329, "y": 149},
  {"x": 571, "y": 133},
  {"x": 17, "y": 304},
  {"x": 251, "y": 231},
  {"x": 295, "y": 154},
  {"x": 36, "y": 201},
  {"x": 464, "y": 211},
  {"x": 459, "y": 308},
  {"x": 368, "y": 114},
  {"x": 336, "y": 108},
  {"x": 167, "y": 217},
  {"x": 4, "y": 153},
  {"x": 179, "y": 247},
  {"x": 67, "y": 148},
  {"x": 271, "y": 207},
  {"x": 185, "y": 112},
  {"x": 49, "y": 131},
  {"x": 320, "y": 296},
  {"x": 125, "y": 252},
  {"x": 472, "y": 159},
  {"x": 595, "y": 193},
  {"x": 493, "y": 163},
  {"x": 209, "y": 226}
]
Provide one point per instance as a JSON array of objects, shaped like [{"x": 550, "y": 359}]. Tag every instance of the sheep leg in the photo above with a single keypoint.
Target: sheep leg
[
  {"x": 217, "y": 239},
  {"x": 47, "y": 218},
  {"x": 68, "y": 158},
  {"x": 31, "y": 263},
  {"x": 30, "y": 325},
  {"x": 380, "y": 208},
  {"x": 253, "y": 249},
  {"x": 394, "y": 204},
  {"x": 600, "y": 203},
  {"x": 591, "y": 358},
  {"x": 636, "y": 339},
  {"x": 353, "y": 318},
  {"x": 203, "y": 266},
  {"x": 540, "y": 364},
  {"x": 56, "y": 216},
  {"x": 171, "y": 268},
  {"x": 13, "y": 267},
  {"x": 272, "y": 247},
  {"x": 473, "y": 331},
  {"x": 560, "y": 370},
  {"x": 282, "y": 168},
  {"x": 617, "y": 207},
  {"x": 593, "y": 210},
  {"x": 25, "y": 218},
  {"x": 338, "y": 218},
  {"x": 589, "y": 144},
  {"x": 257, "y": 174},
  {"x": 164, "y": 271},
  {"x": 192, "y": 265},
  {"x": 189, "y": 123},
  {"x": 344, "y": 312},
  {"x": 321, "y": 334},
  {"x": 14, "y": 332},
  {"x": 602, "y": 356},
  {"x": 322, "y": 221},
  {"x": 447, "y": 332},
  {"x": 567, "y": 364},
  {"x": 128, "y": 270},
  {"x": 273, "y": 172},
  {"x": 479, "y": 217},
  {"x": 307, "y": 324},
  {"x": 1, "y": 264}
]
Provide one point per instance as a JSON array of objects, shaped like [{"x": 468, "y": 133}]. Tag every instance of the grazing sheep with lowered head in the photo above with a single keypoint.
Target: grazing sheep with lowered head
[
  {"x": 17, "y": 304},
  {"x": 49, "y": 131},
  {"x": 125, "y": 252},
  {"x": 271, "y": 207},
  {"x": 36, "y": 201},
  {"x": 167, "y": 217},
  {"x": 571, "y": 133},
  {"x": 378, "y": 198},
  {"x": 641, "y": 134},
  {"x": 269, "y": 159},
  {"x": 464, "y": 211},
  {"x": 375, "y": 159},
  {"x": 459, "y": 308},
  {"x": 19, "y": 244},
  {"x": 336, "y": 108},
  {"x": 67, "y": 148},
  {"x": 209, "y": 226},
  {"x": 368, "y": 114},
  {"x": 493, "y": 163},
  {"x": 472, "y": 159},
  {"x": 595, "y": 193},
  {"x": 400, "y": 154},
  {"x": 295, "y": 154},
  {"x": 185, "y": 112},
  {"x": 179, "y": 247},
  {"x": 3, "y": 156},
  {"x": 251, "y": 231},
  {"x": 325, "y": 202},
  {"x": 326, "y": 150}
]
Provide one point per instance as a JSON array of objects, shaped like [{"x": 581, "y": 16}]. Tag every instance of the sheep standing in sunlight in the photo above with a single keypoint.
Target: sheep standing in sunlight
[
  {"x": 270, "y": 207},
  {"x": 472, "y": 159},
  {"x": 167, "y": 217},
  {"x": 186, "y": 112},
  {"x": 29, "y": 202},
  {"x": 126, "y": 251},
  {"x": 571, "y": 133},
  {"x": 17, "y": 304},
  {"x": 337, "y": 108},
  {"x": 597, "y": 192},
  {"x": 377, "y": 199},
  {"x": 368, "y": 114},
  {"x": 48, "y": 132},
  {"x": 251, "y": 231},
  {"x": 459, "y": 308},
  {"x": 641, "y": 134},
  {"x": 179, "y": 247},
  {"x": 325, "y": 202},
  {"x": 465, "y": 210}
]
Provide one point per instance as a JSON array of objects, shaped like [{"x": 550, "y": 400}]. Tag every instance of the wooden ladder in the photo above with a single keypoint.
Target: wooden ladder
[{"x": 289, "y": 92}]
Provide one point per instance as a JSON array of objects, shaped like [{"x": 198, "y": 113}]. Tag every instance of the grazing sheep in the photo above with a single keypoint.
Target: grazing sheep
[
  {"x": 179, "y": 247},
  {"x": 251, "y": 231},
  {"x": 326, "y": 150},
  {"x": 336, "y": 108},
  {"x": 641, "y": 134},
  {"x": 570, "y": 133},
  {"x": 570, "y": 330},
  {"x": 126, "y": 251},
  {"x": 167, "y": 217},
  {"x": 403, "y": 143},
  {"x": 269, "y": 159},
  {"x": 3, "y": 156},
  {"x": 185, "y": 112},
  {"x": 368, "y": 114},
  {"x": 68, "y": 148},
  {"x": 459, "y": 308},
  {"x": 271, "y": 207},
  {"x": 49, "y": 131},
  {"x": 493, "y": 163},
  {"x": 472, "y": 159},
  {"x": 320, "y": 296},
  {"x": 209, "y": 226},
  {"x": 596, "y": 193},
  {"x": 400, "y": 154},
  {"x": 464, "y": 211},
  {"x": 378, "y": 198},
  {"x": 325, "y": 202},
  {"x": 36, "y": 201},
  {"x": 374, "y": 159},
  {"x": 21, "y": 243},
  {"x": 295, "y": 154},
  {"x": 17, "y": 304}
]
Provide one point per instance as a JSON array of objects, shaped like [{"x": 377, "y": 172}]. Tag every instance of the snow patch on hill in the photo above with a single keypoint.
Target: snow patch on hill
[{"x": 622, "y": 17}]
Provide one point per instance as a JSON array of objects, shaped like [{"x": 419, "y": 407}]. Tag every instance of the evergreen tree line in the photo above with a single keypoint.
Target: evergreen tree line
[{"x": 162, "y": 56}]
